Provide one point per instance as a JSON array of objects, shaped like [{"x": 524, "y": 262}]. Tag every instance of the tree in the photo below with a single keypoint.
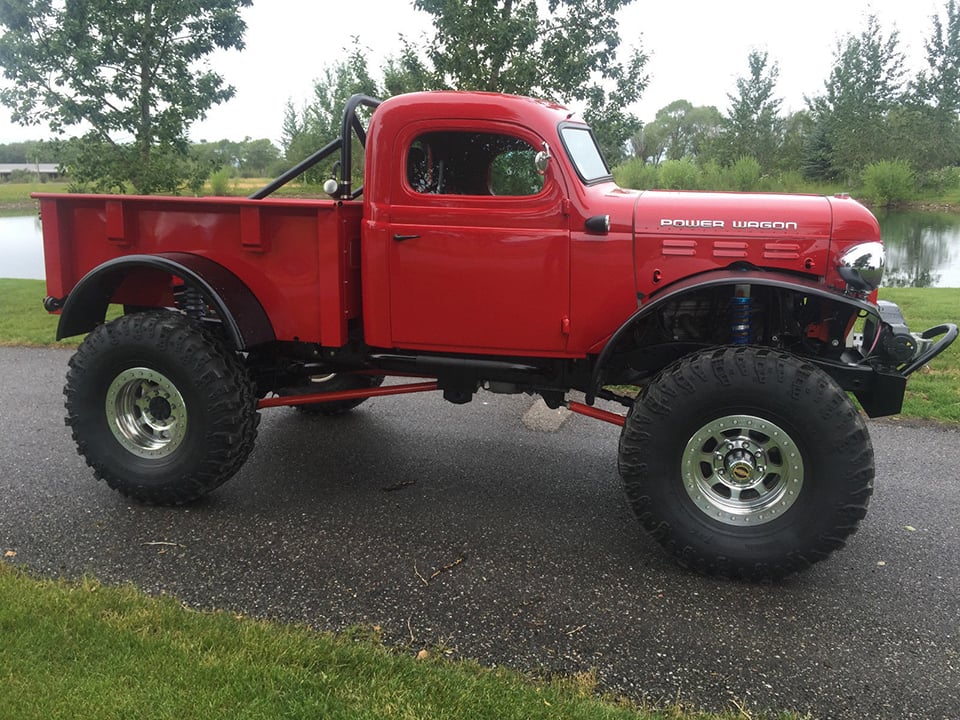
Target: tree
[
  {"x": 120, "y": 69},
  {"x": 683, "y": 131},
  {"x": 27, "y": 151},
  {"x": 670, "y": 124},
  {"x": 319, "y": 121},
  {"x": 257, "y": 157},
  {"x": 798, "y": 128},
  {"x": 704, "y": 127},
  {"x": 406, "y": 72},
  {"x": 939, "y": 85},
  {"x": 568, "y": 55},
  {"x": 866, "y": 82},
  {"x": 935, "y": 115},
  {"x": 648, "y": 144},
  {"x": 754, "y": 126}
]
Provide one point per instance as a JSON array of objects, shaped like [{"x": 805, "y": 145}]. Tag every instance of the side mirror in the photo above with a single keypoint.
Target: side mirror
[
  {"x": 542, "y": 159},
  {"x": 332, "y": 186}
]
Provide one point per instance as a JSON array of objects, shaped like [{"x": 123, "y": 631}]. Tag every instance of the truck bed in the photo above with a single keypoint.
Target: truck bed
[{"x": 300, "y": 258}]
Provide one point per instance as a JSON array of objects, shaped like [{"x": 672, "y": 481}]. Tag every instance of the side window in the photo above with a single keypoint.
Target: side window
[{"x": 472, "y": 163}]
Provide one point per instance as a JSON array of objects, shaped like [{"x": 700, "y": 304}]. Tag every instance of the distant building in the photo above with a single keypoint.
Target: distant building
[{"x": 46, "y": 171}]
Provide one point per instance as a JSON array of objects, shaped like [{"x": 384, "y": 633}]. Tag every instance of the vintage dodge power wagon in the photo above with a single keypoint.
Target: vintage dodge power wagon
[{"x": 489, "y": 248}]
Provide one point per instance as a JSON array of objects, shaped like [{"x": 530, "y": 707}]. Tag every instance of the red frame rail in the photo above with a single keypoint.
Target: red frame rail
[{"x": 347, "y": 395}]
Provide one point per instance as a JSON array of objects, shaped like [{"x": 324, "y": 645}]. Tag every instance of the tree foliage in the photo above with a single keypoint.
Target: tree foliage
[
  {"x": 569, "y": 54},
  {"x": 939, "y": 85},
  {"x": 872, "y": 127},
  {"x": 28, "y": 151},
  {"x": 869, "y": 114},
  {"x": 120, "y": 70},
  {"x": 754, "y": 126},
  {"x": 318, "y": 121},
  {"x": 865, "y": 84},
  {"x": 246, "y": 158},
  {"x": 936, "y": 95},
  {"x": 678, "y": 131}
]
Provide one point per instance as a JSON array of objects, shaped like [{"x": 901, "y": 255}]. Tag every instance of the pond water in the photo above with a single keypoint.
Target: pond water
[
  {"x": 923, "y": 249},
  {"x": 21, "y": 248}
]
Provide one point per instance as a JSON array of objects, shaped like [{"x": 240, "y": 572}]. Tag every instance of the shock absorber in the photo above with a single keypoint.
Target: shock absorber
[
  {"x": 190, "y": 300},
  {"x": 740, "y": 306}
]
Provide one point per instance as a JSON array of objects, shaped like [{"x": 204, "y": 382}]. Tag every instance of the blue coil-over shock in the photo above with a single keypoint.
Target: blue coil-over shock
[{"x": 740, "y": 306}]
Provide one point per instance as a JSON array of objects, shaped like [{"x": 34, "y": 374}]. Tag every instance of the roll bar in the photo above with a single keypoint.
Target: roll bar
[{"x": 351, "y": 122}]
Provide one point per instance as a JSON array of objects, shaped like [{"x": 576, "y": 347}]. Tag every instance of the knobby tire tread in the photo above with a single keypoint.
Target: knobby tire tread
[
  {"x": 809, "y": 389},
  {"x": 225, "y": 383}
]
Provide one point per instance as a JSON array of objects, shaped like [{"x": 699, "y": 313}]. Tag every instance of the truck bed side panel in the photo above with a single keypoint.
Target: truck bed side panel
[{"x": 299, "y": 258}]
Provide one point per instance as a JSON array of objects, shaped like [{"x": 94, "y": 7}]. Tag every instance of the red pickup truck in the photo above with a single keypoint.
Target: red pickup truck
[{"x": 489, "y": 248}]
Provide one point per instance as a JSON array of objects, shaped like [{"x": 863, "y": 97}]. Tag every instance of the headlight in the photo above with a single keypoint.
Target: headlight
[{"x": 862, "y": 266}]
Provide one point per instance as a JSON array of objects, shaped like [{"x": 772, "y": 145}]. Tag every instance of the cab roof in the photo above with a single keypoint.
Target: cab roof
[{"x": 456, "y": 104}]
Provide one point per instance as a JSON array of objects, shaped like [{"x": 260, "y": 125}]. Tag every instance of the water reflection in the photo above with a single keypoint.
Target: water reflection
[
  {"x": 21, "y": 247},
  {"x": 923, "y": 249}
]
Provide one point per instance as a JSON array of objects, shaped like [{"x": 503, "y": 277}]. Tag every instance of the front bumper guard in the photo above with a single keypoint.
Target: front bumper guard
[
  {"x": 877, "y": 371},
  {"x": 928, "y": 349}
]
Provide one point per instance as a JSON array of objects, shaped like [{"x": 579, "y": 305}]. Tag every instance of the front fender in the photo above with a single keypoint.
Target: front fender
[
  {"x": 709, "y": 280},
  {"x": 245, "y": 321}
]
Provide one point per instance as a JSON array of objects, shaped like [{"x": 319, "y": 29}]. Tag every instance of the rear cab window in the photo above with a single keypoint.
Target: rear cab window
[{"x": 457, "y": 162}]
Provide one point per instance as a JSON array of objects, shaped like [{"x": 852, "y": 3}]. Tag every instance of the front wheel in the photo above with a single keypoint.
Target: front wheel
[
  {"x": 746, "y": 462},
  {"x": 161, "y": 411}
]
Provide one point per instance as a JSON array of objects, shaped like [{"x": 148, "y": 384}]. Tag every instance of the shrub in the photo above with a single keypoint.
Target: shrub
[
  {"x": 636, "y": 174},
  {"x": 711, "y": 176},
  {"x": 220, "y": 182},
  {"x": 23, "y": 176},
  {"x": 744, "y": 174},
  {"x": 939, "y": 181},
  {"x": 679, "y": 175},
  {"x": 888, "y": 182},
  {"x": 792, "y": 181}
]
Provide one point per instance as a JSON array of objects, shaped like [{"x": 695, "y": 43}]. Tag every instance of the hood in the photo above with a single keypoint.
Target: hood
[{"x": 679, "y": 234}]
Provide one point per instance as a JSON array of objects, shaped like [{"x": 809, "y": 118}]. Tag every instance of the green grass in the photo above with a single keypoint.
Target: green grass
[
  {"x": 23, "y": 321},
  {"x": 933, "y": 393},
  {"x": 20, "y": 192},
  {"x": 84, "y": 650},
  {"x": 15, "y": 198}
]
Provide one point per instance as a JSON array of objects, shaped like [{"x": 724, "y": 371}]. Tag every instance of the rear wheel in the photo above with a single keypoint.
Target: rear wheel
[
  {"x": 746, "y": 462},
  {"x": 161, "y": 411}
]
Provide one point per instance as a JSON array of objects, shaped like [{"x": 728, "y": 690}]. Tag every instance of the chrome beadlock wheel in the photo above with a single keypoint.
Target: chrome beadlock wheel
[
  {"x": 146, "y": 413},
  {"x": 742, "y": 470}
]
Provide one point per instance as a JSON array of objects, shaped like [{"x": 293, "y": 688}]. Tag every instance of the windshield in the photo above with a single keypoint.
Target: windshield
[{"x": 583, "y": 151}]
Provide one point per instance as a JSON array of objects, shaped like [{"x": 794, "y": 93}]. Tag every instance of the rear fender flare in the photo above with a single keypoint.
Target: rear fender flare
[
  {"x": 245, "y": 321},
  {"x": 715, "y": 279}
]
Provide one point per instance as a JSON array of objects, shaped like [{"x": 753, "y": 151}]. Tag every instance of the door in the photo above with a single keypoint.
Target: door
[{"x": 479, "y": 244}]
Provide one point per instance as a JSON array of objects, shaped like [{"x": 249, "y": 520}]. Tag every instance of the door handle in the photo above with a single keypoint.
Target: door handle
[{"x": 401, "y": 238}]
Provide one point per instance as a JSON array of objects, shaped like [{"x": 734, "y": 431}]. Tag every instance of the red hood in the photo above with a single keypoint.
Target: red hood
[{"x": 681, "y": 233}]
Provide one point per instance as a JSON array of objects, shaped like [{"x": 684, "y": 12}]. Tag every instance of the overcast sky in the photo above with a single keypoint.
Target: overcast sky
[{"x": 697, "y": 49}]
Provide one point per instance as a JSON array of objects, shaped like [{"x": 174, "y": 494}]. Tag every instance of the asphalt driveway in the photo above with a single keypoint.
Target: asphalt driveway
[{"x": 510, "y": 542}]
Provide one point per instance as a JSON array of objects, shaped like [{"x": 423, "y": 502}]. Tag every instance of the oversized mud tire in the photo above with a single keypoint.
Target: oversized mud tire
[
  {"x": 337, "y": 382},
  {"x": 160, "y": 409},
  {"x": 746, "y": 462}
]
